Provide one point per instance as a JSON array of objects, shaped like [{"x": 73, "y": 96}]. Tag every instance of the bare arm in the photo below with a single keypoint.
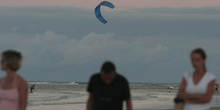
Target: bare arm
[
  {"x": 89, "y": 102},
  {"x": 129, "y": 104},
  {"x": 23, "y": 91},
  {"x": 182, "y": 94},
  {"x": 206, "y": 97}
]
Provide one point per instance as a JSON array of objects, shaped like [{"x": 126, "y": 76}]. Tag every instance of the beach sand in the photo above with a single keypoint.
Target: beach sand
[
  {"x": 75, "y": 99},
  {"x": 141, "y": 101}
]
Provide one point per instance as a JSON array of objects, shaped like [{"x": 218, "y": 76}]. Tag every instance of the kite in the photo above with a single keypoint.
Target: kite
[{"x": 98, "y": 12}]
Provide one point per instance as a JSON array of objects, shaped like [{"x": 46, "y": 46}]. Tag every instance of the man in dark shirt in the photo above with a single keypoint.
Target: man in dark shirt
[{"x": 107, "y": 90}]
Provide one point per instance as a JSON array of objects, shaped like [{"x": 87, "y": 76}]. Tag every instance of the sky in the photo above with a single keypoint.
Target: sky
[
  {"x": 148, "y": 40},
  {"x": 118, "y": 3}
]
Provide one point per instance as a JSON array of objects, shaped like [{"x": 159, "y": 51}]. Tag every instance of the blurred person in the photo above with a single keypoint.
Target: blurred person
[
  {"x": 196, "y": 88},
  {"x": 216, "y": 87},
  {"x": 32, "y": 88},
  {"x": 13, "y": 88},
  {"x": 108, "y": 89}
]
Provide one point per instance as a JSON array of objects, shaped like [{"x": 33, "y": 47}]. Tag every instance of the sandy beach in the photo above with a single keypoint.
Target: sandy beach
[
  {"x": 63, "y": 97},
  {"x": 140, "y": 101}
]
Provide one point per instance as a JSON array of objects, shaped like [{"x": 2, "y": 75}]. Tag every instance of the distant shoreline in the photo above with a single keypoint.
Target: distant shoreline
[{"x": 87, "y": 82}]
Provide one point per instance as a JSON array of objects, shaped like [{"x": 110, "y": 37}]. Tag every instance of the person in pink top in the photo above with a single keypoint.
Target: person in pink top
[{"x": 13, "y": 88}]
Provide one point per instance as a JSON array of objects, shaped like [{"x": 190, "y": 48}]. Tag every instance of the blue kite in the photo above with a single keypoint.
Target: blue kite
[{"x": 98, "y": 12}]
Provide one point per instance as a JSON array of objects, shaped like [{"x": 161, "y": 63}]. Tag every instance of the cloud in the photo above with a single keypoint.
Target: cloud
[
  {"x": 89, "y": 48},
  {"x": 56, "y": 51},
  {"x": 157, "y": 52},
  {"x": 68, "y": 44}
]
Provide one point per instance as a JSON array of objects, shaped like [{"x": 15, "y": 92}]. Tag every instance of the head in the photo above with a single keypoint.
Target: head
[
  {"x": 108, "y": 72},
  {"x": 198, "y": 58},
  {"x": 11, "y": 60}
]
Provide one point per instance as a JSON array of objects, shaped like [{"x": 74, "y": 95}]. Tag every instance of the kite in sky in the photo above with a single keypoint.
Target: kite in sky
[{"x": 98, "y": 12}]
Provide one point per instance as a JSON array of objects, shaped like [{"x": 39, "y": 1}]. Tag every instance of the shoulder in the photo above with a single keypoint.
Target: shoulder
[
  {"x": 1, "y": 79},
  {"x": 95, "y": 76},
  {"x": 122, "y": 78},
  {"x": 187, "y": 75},
  {"x": 210, "y": 76},
  {"x": 21, "y": 82}
]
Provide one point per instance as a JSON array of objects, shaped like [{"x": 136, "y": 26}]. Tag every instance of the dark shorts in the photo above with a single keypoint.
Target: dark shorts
[{"x": 216, "y": 89}]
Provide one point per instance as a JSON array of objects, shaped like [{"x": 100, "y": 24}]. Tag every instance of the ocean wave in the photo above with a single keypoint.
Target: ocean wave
[
  {"x": 52, "y": 82},
  {"x": 38, "y": 82}
]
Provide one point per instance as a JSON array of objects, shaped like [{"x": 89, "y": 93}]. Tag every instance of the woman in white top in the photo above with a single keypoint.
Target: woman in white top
[{"x": 196, "y": 88}]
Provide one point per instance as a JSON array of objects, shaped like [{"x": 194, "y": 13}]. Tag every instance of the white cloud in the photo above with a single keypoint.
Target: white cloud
[
  {"x": 104, "y": 46},
  {"x": 157, "y": 52},
  {"x": 40, "y": 49},
  {"x": 56, "y": 49},
  {"x": 53, "y": 50}
]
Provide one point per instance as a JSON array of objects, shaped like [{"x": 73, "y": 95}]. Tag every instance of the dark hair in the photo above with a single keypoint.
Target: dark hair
[
  {"x": 108, "y": 67},
  {"x": 202, "y": 53}
]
